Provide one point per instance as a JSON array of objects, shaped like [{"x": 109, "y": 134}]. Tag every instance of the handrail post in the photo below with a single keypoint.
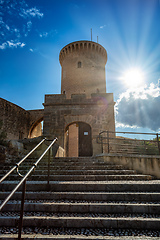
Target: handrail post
[
  {"x": 22, "y": 211},
  {"x": 108, "y": 140},
  {"x": 145, "y": 147},
  {"x": 49, "y": 158},
  {"x": 158, "y": 143},
  {"x": 101, "y": 143}
]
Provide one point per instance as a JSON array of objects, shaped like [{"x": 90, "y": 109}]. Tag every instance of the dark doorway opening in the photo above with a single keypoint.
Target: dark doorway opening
[
  {"x": 78, "y": 140},
  {"x": 85, "y": 140}
]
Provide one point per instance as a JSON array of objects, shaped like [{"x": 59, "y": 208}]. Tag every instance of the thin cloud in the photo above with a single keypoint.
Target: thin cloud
[
  {"x": 139, "y": 108},
  {"x": 44, "y": 34},
  {"x": 16, "y": 22},
  {"x": 48, "y": 34},
  {"x": 29, "y": 25},
  {"x": 102, "y": 26},
  {"x": 27, "y": 28},
  {"x": 3, "y": 46},
  {"x": 32, "y": 12},
  {"x": 12, "y": 44}
]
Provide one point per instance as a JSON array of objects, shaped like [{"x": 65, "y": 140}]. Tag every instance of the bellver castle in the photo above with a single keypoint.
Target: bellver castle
[
  {"x": 79, "y": 113},
  {"x": 80, "y": 192}
]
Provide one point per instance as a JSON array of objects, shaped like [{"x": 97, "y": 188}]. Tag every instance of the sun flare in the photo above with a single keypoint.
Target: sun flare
[{"x": 133, "y": 77}]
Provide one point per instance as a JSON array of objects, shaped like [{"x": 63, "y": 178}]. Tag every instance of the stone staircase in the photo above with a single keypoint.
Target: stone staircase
[
  {"x": 132, "y": 146},
  {"x": 86, "y": 199}
]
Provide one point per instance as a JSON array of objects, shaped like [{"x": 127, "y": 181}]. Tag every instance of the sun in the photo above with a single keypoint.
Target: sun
[{"x": 133, "y": 77}]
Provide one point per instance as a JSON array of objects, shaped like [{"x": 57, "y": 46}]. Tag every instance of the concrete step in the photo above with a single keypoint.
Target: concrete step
[
  {"x": 136, "y": 197},
  {"x": 80, "y": 234},
  {"x": 124, "y": 151},
  {"x": 44, "y": 163},
  {"x": 79, "y": 172},
  {"x": 71, "y": 164},
  {"x": 82, "y": 221},
  {"x": 35, "y": 177},
  {"x": 50, "y": 207},
  {"x": 84, "y": 193},
  {"x": 71, "y": 159},
  {"x": 74, "y": 159},
  {"x": 84, "y": 167},
  {"x": 86, "y": 186}
]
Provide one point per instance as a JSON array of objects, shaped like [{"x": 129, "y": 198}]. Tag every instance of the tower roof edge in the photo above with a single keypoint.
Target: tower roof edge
[{"x": 81, "y": 45}]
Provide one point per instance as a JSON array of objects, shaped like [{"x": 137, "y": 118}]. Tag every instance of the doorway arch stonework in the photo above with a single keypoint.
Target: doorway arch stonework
[
  {"x": 78, "y": 139},
  {"x": 97, "y": 111}
]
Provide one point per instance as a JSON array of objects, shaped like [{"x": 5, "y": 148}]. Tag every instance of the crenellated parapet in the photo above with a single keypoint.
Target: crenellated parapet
[
  {"x": 76, "y": 99},
  {"x": 83, "y": 46}
]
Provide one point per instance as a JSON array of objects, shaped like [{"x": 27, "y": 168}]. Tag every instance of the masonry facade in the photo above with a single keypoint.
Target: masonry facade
[
  {"x": 79, "y": 113},
  {"x": 83, "y": 109},
  {"x": 18, "y": 123},
  {"x": 60, "y": 113}
]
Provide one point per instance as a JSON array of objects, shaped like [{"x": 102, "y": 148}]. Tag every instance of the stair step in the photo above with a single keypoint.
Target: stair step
[
  {"x": 88, "y": 196},
  {"x": 84, "y": 207},
  {"x": 70, "y": 164},
  {"x": 83, "y": 221},
  {"x": 79, "y": 172},
  {"x": 78, "y": 233},
  {"x": 91, "y": 199},
  {"x": 60, "y": 167},
  {"x": 70, "y": 159},
  {"x": 84, "y": 177},
  {"x": 104, "y": 186},
  {"x": 75, "y": 201}
]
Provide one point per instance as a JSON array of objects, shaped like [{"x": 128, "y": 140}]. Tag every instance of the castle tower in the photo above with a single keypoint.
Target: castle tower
[
  {"x": 83, "y": 68},
  {"x": 83, "y": 109}
]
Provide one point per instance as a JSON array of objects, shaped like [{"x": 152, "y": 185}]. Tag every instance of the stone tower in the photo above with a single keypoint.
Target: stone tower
[
  {"x": 83, "y": 68},
  {"x": 83, "y": 109}
]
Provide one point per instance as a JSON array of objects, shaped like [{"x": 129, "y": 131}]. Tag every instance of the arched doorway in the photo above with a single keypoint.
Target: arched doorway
[
  {"x": 78, "y": 140},
  {"x": 36, "y": 129},
  {"x": 85, "y": 140}
]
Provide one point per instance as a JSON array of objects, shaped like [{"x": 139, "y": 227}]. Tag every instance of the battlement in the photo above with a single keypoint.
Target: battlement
[
  {"x": 60, "y": 99},
  {"x": 82, "y": 46}
]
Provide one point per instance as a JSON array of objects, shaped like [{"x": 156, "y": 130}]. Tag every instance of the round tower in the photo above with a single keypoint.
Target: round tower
[{"x": 83, "y": 68}]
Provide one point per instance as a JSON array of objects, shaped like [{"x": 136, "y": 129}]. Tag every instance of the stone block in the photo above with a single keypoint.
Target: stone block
[
  {"x": 15, "y": 147},
  {"x": 2, "y": 153}
]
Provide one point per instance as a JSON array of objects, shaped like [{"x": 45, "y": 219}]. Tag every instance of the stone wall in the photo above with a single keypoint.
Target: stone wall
[
  {"x": 97, "y": 111},
  {"x": 17, "y": 122},
  {"x": 36, "y": 117},
  {"x": 142, "y": 163}
]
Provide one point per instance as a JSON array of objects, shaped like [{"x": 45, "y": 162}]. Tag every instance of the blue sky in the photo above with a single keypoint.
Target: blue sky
[{"x": 32, "y": 33}]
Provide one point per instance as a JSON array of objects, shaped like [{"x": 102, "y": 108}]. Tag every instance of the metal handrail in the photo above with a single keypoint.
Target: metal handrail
[
  {"x": 100, "y": 138},
  {"x": 123, "y": 138},
  {"x": 18, "y": 164},
  {"x": 28, "y": 173},
  {"x": 128, "y": 132},
  {"x": 23, "y": 181}
]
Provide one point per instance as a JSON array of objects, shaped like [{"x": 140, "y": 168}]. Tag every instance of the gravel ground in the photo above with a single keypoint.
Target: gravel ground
[
  {"x": 82, "y": 231},
  {"x": 148, "y": 182},
  {"x": 89, "y": 215},
  {"x": 82, "y": 201}
]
